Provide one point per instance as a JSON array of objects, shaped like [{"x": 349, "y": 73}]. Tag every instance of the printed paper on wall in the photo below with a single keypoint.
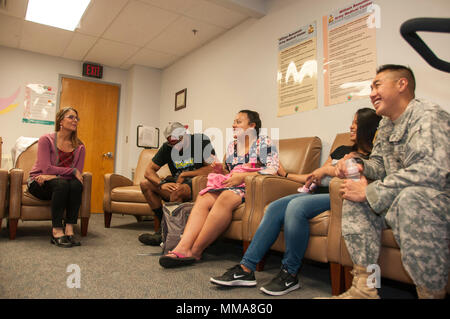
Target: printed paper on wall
[
  {"x": 40, "y": 104},
  {"x": 349, "y": 52},
  {"x": 297, "y": 71}
]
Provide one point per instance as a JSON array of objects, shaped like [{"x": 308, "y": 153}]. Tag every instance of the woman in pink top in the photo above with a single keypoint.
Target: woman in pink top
[
  {"x": 56, "y": 175},
  {"x": 248, "y": 154}
]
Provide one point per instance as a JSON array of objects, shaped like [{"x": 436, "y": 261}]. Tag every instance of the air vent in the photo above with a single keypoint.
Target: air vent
[{"x": 3, "y": 4}]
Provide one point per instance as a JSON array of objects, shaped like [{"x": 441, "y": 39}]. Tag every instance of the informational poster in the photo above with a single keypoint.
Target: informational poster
[
  {"x": 297, "y": 71},
  {"x": 349, "y": 52},
  {"x": 40, "y": 104}
]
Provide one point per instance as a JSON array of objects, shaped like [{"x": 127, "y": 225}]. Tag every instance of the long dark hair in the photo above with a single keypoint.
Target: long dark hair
[
  {"x": 59, "y": 117},
  {"x": 253, "y": 117},
  {"x": 367, "y": 121}
]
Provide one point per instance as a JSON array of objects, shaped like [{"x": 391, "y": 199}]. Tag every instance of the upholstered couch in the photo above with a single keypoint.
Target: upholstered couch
[
  {"x": 124, "y": 196},
  {"x": 4, "y": 185}
]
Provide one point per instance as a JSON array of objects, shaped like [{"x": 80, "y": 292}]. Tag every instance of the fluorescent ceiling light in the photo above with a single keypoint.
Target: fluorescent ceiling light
[{"x": 64, "y": 14}]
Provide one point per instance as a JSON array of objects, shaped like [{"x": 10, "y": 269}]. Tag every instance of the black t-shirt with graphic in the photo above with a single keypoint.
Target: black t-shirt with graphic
[{"x": 191, "y": 157}]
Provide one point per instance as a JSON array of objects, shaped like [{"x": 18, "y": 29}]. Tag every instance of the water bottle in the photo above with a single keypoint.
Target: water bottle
[{"x": 352, "y": 170}]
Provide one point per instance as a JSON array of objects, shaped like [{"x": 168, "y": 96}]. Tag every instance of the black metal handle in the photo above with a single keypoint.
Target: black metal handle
[{"x": 408, "y": 31}]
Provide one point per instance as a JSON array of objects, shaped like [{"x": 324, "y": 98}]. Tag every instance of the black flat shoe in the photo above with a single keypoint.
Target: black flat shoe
[
  {"x": 72, "y": 240},
  {"x": 61, "y": 242}
]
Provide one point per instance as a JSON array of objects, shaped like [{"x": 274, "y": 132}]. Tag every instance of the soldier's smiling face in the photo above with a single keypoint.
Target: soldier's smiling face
[
  {"x": 384, "y": 93},
  {"x": 388, "y": 90}
]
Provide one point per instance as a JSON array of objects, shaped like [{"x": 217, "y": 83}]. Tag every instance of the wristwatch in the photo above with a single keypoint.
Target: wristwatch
[{"x": 161, "y": 183}]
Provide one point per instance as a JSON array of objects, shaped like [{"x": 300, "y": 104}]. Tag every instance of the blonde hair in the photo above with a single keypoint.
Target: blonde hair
[{"x": 59, "y": 117}]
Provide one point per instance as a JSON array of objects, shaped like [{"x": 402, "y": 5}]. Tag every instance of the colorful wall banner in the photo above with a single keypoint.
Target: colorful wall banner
[{"x": 6, "y": 104}]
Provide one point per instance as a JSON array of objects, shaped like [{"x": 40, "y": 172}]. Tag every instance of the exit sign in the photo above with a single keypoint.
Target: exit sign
[{"x": 93, "y": 70}]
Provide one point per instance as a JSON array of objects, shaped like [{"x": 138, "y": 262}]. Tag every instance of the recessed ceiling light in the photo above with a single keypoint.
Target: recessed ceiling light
[{"x": 64, "y": 14}]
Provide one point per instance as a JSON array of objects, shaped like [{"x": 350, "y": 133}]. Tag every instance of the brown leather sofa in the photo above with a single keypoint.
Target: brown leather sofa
[
  {"x": 4, "y": 180},
  {"x": 297, "y": 155},
  {"x": 390, "y": 262},
  {"x": 124, "y": 196},
  {"x": 24, "y": 206}
]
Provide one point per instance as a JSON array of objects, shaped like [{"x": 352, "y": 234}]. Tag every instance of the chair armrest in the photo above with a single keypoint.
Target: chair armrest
[
  {"x": 198, "y": 183},
  {"x": 15, "y": 193},
  {"x": 335, "y": 230},
  {"x": 260, "y": 191},
  {"x": 3, "y": 191},
  {"x": 85, "y": 208},
  {"x": 112, "y": 181}
]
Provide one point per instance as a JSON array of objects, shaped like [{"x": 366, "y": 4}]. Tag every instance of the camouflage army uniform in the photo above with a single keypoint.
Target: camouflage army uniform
[{"x": 410, "y": 164}]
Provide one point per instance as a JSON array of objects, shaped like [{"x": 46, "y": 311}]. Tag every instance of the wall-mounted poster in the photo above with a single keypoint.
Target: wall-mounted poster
[
  {"x": 349, "y": 44},
  {"x": 297, "y": 71},
  {"x": 40, "y": 104}
]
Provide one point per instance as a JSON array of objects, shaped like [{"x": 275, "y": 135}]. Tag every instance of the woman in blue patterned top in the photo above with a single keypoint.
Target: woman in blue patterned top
[{"x": 248, "y": 154}]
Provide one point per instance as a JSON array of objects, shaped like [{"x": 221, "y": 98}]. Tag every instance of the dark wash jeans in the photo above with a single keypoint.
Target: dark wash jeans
[{"x": 65, "y": 195}]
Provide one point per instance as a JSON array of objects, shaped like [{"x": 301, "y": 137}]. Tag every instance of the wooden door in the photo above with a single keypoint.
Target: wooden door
[{"x": 97, "y": 105}]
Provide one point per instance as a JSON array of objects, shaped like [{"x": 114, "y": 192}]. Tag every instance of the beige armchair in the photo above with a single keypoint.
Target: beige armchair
[
  {"x": 297, "y": 155},
  {"x": 24, "y": 206},
  {"x": 390, "y": 262},
  {"x": 321, "y": 237},
  {"x": 124, "y": 196}
]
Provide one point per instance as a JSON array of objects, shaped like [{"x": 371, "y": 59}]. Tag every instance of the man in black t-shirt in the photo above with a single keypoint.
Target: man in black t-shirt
[{"x": 187, "y": 155}]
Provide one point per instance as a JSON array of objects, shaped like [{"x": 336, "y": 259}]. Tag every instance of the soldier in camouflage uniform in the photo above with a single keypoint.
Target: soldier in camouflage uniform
[{"x": 409, "y": 166}]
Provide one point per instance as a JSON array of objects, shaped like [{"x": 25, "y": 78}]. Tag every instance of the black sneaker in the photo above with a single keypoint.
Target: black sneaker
[
  {"x": 282, "y": 284},
  {"x": 151, "y": 239},
  {"x": 235, "y": 276}
]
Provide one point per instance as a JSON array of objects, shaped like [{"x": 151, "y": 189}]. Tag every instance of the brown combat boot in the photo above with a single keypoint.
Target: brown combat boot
[
  {"x": 424, "y": 293},
  {"x": 359, "y": 288}
]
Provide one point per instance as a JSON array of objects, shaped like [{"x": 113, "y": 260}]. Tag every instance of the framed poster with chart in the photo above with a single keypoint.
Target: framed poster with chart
[{"x": 147, "y": 137}]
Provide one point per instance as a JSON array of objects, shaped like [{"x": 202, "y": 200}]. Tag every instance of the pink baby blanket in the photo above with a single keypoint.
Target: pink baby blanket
[{"x": 215, "y": 180}]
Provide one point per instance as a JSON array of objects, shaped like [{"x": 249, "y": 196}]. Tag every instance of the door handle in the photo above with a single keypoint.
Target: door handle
[{"x": 108, "y": 155}]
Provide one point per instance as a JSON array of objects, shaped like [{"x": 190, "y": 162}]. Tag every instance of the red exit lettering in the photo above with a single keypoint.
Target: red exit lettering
[{"x": 93, "y": 70}]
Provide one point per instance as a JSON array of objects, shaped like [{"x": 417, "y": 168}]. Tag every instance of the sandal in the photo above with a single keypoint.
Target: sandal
[{"x": 177, "y": 261}]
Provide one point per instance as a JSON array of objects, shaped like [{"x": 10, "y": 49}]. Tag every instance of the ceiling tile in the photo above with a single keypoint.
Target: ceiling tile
[
  {"x": 44, "y": 39},
  {"x": 99, "y": 16},
  {"x": 178, "y": 39},
  {"x": 10, "y": 31},
  {"x": 216, "y": 15},
  {"x": 179, "y": 6},
  {"x": 110, "y": 53},
  {"x": 79, "y": 46},
  {"x": 120, "y": 33},
  {"x": 138, "y": 23},
  {"x": 151, "y": 59},
  {"x": 16, "y": 8}
]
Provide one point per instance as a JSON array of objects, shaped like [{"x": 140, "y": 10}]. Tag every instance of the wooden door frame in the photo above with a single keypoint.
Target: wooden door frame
[{"x": 61, "y": 76}]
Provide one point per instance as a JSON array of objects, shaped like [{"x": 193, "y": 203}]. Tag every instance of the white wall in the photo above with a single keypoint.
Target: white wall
[
  {"x": 143, "y": 106},
  {"x": 239, "y": 69},
  {"x": 139, "y": 98}
]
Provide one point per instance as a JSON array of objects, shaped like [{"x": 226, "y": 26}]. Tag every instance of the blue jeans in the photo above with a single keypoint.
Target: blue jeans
[{"x": 293, "y": 212}]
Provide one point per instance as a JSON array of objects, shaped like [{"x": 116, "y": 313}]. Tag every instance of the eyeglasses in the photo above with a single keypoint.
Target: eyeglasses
[{"x": 73, "y": 117}]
